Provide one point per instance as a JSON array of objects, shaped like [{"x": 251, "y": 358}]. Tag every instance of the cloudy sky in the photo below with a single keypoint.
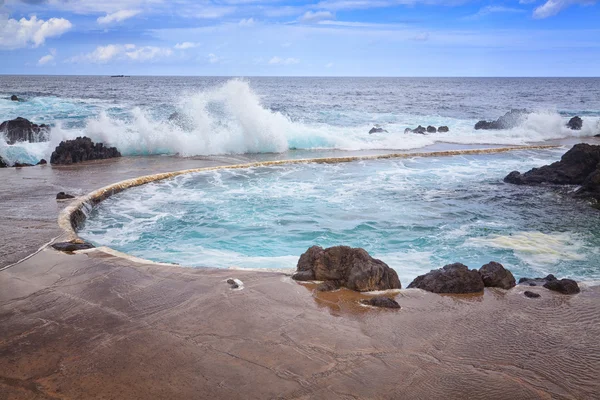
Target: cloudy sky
[{"x": 301, "y": 38}]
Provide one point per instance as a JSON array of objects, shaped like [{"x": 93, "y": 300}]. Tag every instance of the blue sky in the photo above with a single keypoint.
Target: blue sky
[{"x": 301, "y": 38}]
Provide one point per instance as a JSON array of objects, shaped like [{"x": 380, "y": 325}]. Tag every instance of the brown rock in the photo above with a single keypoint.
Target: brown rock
[
  {"x": 495, "y": 275},
  {"x": 381, "y": 301},
  {"x": 452, "y": 278}
]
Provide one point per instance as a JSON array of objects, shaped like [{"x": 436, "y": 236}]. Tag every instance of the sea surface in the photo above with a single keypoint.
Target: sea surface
[{"x": 415, "y": 214}]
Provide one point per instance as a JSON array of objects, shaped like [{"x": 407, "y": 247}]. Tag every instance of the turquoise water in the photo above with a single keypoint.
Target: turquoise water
[{"x": 414, "y": 214}]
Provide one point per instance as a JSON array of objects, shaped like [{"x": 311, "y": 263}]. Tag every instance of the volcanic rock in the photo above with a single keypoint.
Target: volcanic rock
[
  {"x": 69, "y": 247},
  {"x": 575, "y": 124},
  {"x": 443, "y": 129},
  {"x": 381, "y": 301},
  {"x": 537, "y": 281},
  {"x": 452, "y": 278},
  {"x": 377, "y": 130},
  {"x": 14, "y": 97},
  {"x": 509, "y": 120},
  {"x": 23, "y": 130},
  {"x": 64, "y": 196},
  {"x": 431, "y": 129},
  {"x": 531, "y": 295},
  {"x": 495, "y": 275},
  {"x": 81, "y": 149},
  {"x": 352, "y": 268},
  {"x": 42, "y": 162},
  {"x": 564, "y": 286}
]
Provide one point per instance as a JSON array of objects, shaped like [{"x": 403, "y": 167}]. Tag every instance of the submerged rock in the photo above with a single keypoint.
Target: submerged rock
[
  {"x": 23, "y": 130},
  {"x": 564, "y": 286},
  {"x": 14, "y": 97},
  {"x": 495, "y": 275},
  {"x": 352, "y": 268},
  {"x": 575, "y": 123},
  {"x": 377, "y": 130},
  {"x": 453, "y": 278},
  {"x": 531, "y": 295},
  {"x": 431, "y": 129},
  {"x": 81, "y": 149},
  {"x": 381, "y": 301},
  {"x": 64, "y": 196},
  {"x": 509, "y": 120},
  {"x": 70, "y": 247},
  {"x": 328, "y": 286},
  {"x": 443, "y": 129}
]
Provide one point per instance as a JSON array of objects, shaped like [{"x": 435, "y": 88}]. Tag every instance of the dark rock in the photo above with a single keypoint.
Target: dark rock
[
  {"x": 3, "y": 163},
  {"x": 443, "y": 129},
  {"x": 574, "y": 168},
  {"x": 452, "y": 278},
  {"x": 419, "y": 129},
  {"x": 64, "y": 196},
  {"x": 233, "y": 284},
  {"x": 71, "y": 246},
  {"x": 408, "y": 130},
  {"x": 495, "y": 275},
  {"x": 564, "y": 286},
  {"x": 23, "y": 130},
  {"x": 537, "y": 281},
  {"x": 381, "y": 301},
  {"x": 531, "y": 295},
  {"x": 377, "y": 130},
  {"x": 509, "y": 120},
  {"x": 21, "y": 165},
  {"x": 431, "y": 129},
  {"x": 575, "y": 123},
  {"x": 14, "y": 97},
  {"x": 352, "y": 268},
  {"x": 81, "y": 149},
  {"x": 328, "y": 286},
  {"x": 42, "y": 162}
]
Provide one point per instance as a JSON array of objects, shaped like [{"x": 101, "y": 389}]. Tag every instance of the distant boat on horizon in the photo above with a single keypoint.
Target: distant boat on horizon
[{"x": 119, "y": 76}]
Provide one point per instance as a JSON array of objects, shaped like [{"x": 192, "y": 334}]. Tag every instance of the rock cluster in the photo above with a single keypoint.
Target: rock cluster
[
  {"x": 509, "y": 120},
  {"x": 81, "y": 149},
  {"x": 578, "y": 166},
  {"x": 550, "y": 282},
  {"x": 343, "y": 266},
  {"x": 430, "y": 129},
  {"x": 23, "y": 130}
]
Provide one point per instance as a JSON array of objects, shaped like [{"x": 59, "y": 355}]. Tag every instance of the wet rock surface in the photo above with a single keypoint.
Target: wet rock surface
[
  {"x": 537, "y": 281},
  {"x": 509, "y": 120},
  {"x": 381, "y": 301},
  {"x": 575, "y": 124},
  {"x": 14, "y": 97},
  {"x": 42, "y": 162},
  {"x": 531, "y": 295},
  {"x": 454, "y": 278},
  {"x": 495, "y": 275},
  {"x": 64, "y": 196},
  {"x": 431, "y": 129},
  {"x": 564, "y": 286},
  {"x": 3, "y": 164},
  {"x": 377, "y": 129},
  {"x": 443, "y": 129},
  {"x": 71, "y": 246},
  {"x": 80, "y": 150},
  {"x": 23, "y": 130},
  {"x": 352, "y": 268}
]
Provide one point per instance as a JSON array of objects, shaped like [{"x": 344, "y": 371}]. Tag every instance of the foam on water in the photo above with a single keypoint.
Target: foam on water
[
  {"x": 414, "y": 214},
  {"x": 232, "y": 119}
]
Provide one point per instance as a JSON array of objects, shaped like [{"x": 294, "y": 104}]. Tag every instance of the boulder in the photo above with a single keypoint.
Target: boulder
[
  {"x": 564, "y": 286},
  {"x": 352, "y": 268},
  {"x": 70, "y": 247},
  {"x": 509, "y": 120},
  {"x": 233, "y": 284},
  {"x": 23, "y": 130},
  {"x": 537, "y": 281},
  {"x": 3, "y": 164},
  {"x": 531, "y": 295},
  {"x": 431, "y": 129},
  {"x": 572, "y": 169},
  {"x": 14, "y": 97},
  {"x": 419, "y": 129},
  {"x": 381, "y": 301},
  {"x": 443, "y": 129},
  {"x": 452, "y": 278},
  {"x": 575, "y": 124},
  {"x": 42, "y": 162},
  {"x": 495, "y": 275},
  {"x": 377, "y": 130},
  {"x": 64, "y": 196},
  {"x": 81, "y": 149}
]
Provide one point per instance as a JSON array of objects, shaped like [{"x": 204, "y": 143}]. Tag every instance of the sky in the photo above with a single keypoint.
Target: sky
[{"x": 301, "y": 38}]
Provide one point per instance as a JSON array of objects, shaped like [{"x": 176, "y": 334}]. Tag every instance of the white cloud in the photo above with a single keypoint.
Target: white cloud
[
  {"x": 420, "y": 37},
  {"x": 213, "y": 59},
  {"x": 186, "y": 45},
  {"x": 16, "y": 34},
  {"x": 247, "y": 22},
  {"x": 48, "y": 58},
  {"x": 130, "y": 52},
  {"x": 487, "y": 10},
  {"x": 213, "y": 12},
  {"x": 118, "y": 16},
  {"x": 310, "y": 17},
  {"x": 283, "y": 61},
  {"x": 553, "y": 7}
]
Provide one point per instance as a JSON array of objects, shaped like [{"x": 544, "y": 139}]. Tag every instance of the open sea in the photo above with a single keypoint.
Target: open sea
[{"x": 415, "y": 214}]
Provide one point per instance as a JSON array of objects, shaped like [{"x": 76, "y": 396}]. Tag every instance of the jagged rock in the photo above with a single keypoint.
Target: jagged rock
[
  {"x": 564, "y": 286},
  {"x": 21, "y": 165},
  {"x": 495, "y": 275},
  {"x": 42, "y": 162},
  {"x": 509, "y": 120},
  {"x": 531, "y": 295},
  {"x": 443, "y": 129},
  {"x": 537, "y": 281},
  {"x": 381, "y": 301},
  {"x": 70, "y": 246},
  {"x": 14, "y": 97},
  {"x": 352, "y": 268},
  {"x": 419, "y": 129},
  {"x": 64, "y": 196},
  {"x": 575, "y": 124},
  {"x": 3, "y": 163},
  {"x": 452, "y": 278},
  {"x": 578, "y": 166},
  {"x": 431, "y": 129},
  {"x": 23, "y": 130},
  {"x": 81, "y": 149},
  {"x": 377, "y": 130}
]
